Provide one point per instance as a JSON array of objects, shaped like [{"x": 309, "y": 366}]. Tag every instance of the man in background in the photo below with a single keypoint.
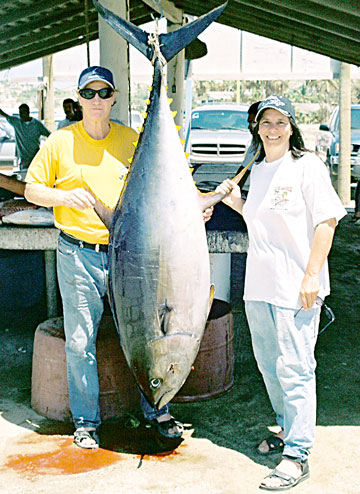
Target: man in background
[
  {"x": 28, "y": 131},
  {"x": 71, "y": 116}
]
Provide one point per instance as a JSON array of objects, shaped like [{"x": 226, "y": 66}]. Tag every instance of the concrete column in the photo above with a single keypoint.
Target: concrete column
[
  {"x": 48, "y": 88},
  {"x": 175, "y": 83},
  {"x": 344, "y": 173},
  {"x": 114, "y": 56}
]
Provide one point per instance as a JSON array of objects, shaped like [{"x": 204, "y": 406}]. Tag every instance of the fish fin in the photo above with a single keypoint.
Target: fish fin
[
  {"x": 131, "y": 33},
  {"x": 164, "y": 311},
  {"x": 212, "y": 295},
  {"x": 105, "y": 185},
  {"x": 172, "y": 43},
  {"x": 170, "y": 100},
  {"x": 174, "y": 113},
  {"x": 178, "y": 127},
  {"x": 104, "y": 212}
]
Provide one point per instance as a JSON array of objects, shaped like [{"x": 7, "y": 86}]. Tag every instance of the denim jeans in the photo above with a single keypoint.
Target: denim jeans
[
  {"x": 284, "y": 342},
  {"x": 82, "y": 280}
]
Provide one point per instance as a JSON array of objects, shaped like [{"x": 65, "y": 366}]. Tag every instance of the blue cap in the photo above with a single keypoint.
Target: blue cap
[
  {"x": 95, "y": 73},
  {"x": 279, "y": 103}
]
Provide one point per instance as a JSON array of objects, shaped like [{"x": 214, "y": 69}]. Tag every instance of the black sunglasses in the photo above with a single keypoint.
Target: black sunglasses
[
  {"x": 104, "y": 93},
  {"x": 328, "y": 311}
]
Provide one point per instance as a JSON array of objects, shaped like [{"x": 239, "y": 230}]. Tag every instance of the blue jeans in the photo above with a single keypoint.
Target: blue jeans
[
  {"x": 82, "y": 275},
  {"x": 284, "y": 342}
]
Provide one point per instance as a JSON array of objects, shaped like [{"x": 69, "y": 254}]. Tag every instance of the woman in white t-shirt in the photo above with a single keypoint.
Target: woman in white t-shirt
[{"x": 291, "y": 213}]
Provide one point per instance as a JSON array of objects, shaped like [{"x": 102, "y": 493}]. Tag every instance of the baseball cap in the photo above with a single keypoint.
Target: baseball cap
[
  {"x": 279, "y": 103},
  {"x": 95, "y": 73}
]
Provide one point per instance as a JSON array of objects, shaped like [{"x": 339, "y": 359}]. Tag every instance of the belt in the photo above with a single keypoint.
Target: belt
[{"x": 83, "y": 244}]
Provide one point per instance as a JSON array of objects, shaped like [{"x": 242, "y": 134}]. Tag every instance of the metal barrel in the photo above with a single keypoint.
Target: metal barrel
[{"x": 49, "y": 391}]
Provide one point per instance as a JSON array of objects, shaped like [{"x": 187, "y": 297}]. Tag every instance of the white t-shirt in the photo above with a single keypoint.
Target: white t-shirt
[{"x": 287, "y": 199}]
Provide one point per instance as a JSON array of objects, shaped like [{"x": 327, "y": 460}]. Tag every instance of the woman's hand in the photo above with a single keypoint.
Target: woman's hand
[
  {"x": 233, "y": 194},
  {"x": 309, "y": 290}
]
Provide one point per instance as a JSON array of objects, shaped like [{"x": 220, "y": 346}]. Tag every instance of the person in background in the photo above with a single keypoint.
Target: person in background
[
  {"x": 356, "y": 217},
  {"x": 291, "y": 213},
  {"x": 70, "y": 116},
  {"x": 28, "y": 131},
  {"x": 54, "y": 179},
  {"x": 250, "y": 153}
]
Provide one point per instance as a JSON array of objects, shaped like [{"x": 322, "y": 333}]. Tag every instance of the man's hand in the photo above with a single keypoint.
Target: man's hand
[{"x": 78, "y": 198}]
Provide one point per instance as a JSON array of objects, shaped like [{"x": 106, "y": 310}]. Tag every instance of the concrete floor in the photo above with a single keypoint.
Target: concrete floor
[{"x": 216, "y": 456}]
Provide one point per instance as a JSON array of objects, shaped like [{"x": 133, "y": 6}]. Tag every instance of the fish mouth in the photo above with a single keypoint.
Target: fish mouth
[{"x": 164, "y": 399}]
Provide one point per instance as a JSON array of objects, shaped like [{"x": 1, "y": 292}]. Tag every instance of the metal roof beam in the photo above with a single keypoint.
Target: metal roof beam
[
  {"x": 36, "y": 8},
  {"x": 330, "y": 46},
  {"x": 169, "y": 10},
  {"x": 306, "y": 13},
  {"x": 342, "y": 6},
  {"x": 42, "y": 50},
  {"x": 47, "y": 20},
  {"x": 296, "y": 24},
  {"x": 73, "y": 30}
]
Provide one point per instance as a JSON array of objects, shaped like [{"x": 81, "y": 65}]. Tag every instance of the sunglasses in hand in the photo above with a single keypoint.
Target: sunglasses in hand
[{"x": 328, "y": 311}]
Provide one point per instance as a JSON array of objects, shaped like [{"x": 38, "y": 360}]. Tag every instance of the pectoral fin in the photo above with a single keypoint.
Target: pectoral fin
[{"x": 212, "y": 295}]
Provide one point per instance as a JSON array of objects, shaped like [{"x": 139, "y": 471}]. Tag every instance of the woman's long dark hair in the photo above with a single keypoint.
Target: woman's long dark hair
[{"x": 296, "y": 146}]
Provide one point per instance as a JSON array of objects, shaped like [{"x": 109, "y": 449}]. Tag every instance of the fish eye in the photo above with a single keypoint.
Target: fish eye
[{"x": 155, "y": 383}]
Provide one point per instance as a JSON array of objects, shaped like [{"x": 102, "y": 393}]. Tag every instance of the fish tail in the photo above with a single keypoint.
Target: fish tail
[{"x": 170, "y": 43}]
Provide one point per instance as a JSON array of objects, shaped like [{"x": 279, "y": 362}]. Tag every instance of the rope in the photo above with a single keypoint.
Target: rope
[{"x": 153, "y": 41}]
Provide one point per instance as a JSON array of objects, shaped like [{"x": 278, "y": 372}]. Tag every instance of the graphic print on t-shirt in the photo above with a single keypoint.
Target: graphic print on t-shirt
[{"x": 281, "y": 197}]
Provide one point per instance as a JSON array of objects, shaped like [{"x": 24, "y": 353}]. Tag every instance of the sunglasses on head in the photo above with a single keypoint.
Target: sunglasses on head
[{"x": 104, "y": 93}]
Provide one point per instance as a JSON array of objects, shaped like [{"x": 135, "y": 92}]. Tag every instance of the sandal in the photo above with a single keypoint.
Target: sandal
[
  {"x": 287, "y": 481},
  {"x": 164, "y": 427},
  {"x": 275, "y": 445},
  {"x": 86, "y": 439}
]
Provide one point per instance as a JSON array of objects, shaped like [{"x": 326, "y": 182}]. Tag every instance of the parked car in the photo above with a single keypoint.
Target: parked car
[
  {"x": 7, "y": 147},
  {"x": 218, "y": 134},
  {"x": 136, "y": 119},
  {"x": 327, "y": 142}
]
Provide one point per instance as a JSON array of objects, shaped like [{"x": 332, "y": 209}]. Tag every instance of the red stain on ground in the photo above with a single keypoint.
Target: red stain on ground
[
  {"x": 64, "y": 458},
  {"x": 161, "y": 456}
]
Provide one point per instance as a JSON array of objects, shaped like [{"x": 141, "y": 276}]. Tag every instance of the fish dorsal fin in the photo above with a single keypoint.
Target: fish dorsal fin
[{"x": 212, "y": 295}]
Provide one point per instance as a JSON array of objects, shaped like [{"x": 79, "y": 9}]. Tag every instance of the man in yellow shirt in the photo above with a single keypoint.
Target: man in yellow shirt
[{"x": 94, "y": 147}]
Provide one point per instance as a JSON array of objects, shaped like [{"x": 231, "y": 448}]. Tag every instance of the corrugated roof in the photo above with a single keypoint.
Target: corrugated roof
[{"x": 30, "y": 29}]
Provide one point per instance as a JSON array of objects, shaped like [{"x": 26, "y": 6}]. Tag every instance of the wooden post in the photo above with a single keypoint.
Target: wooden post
[
  {"x": 48, "y": 83},
  {"x": 344, "y": 171}
]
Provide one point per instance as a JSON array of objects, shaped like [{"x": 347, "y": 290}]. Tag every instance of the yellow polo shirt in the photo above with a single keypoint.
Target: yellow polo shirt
[{"x": 69, "y": 159}]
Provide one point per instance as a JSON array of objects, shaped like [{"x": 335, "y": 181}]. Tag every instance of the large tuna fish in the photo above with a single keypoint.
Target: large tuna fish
[{"x": 159, "y": 275}]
